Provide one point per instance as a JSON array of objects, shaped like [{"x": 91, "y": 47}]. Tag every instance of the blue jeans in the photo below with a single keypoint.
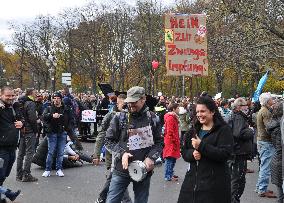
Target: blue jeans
[
  {"x": 9, "y": 157},
  {"x": 3, "y": 190},
  {"x": 55, "y": 142},
  {"x": 266, "y": 151},
  {"x": 170, "y": 163},
  {"x": 119, "y": 184}
]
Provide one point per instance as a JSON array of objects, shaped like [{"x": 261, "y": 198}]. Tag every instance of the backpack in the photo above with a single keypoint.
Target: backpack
[
  {"x": 23, "y": 104},
  {"x": 123, "y": 119},
  {"x": 71, "y": 102}
]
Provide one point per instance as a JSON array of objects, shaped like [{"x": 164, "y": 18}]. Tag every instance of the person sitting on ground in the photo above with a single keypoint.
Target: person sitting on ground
[
  {"x": 71, "y": 158},
  {"x": 73, "y": 154}
]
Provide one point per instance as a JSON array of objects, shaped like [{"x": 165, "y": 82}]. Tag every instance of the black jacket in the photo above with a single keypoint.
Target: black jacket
[
  {"x": 208, "y": 180},
  {"x": 57, "y": 125},
  {"x": 30, "y": 115},
  {"x": 9, "y": 134},
  {"x": 243, "y": 135},
  {"x": 273, "y": 128},
  {"x": 117, "y": 137}
]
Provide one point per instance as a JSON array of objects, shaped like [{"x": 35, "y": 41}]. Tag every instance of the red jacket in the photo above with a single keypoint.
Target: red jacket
[{"x": 171, "y": 136}]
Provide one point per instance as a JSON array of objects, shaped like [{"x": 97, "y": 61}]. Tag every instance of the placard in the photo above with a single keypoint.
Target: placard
[
  {"x": 186, "y": 44},
  {"x": 88, "y": 116}
]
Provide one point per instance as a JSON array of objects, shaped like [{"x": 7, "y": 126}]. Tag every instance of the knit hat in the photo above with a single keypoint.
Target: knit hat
[{"x": 57, "y": 94}]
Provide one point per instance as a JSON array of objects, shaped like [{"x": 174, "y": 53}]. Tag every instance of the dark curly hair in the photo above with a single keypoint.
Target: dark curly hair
[{"x": 211, "y": 105}]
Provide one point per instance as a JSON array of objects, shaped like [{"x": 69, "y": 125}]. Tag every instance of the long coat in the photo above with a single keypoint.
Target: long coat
[
  {"x": 208, "y": 180},
  {"x": 171, "y": 136},
  {"x": 273, "y": 128}
]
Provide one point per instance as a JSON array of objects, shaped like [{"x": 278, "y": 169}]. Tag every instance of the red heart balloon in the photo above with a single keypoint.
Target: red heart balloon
[{"x": 155, "y": 64}]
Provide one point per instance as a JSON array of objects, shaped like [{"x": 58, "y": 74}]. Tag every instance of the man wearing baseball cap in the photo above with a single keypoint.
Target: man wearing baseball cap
[{"x": 133, "y": 136}]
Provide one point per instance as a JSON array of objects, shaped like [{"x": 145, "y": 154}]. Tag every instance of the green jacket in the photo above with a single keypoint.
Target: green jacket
[
  {"x": 100, "y": 140},
  {"x": 263, "y": 117},
  {"x": 184, "y": 122}
]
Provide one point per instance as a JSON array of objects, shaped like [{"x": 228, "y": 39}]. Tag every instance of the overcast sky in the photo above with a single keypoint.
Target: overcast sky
[{"x": 24, "y": 10}]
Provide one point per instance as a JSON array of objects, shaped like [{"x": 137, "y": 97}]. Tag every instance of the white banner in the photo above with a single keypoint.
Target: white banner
[{"x": 88, "y": 116}]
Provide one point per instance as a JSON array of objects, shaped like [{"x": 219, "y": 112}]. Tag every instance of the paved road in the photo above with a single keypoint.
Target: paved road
[{"x": 82, "y": 185}]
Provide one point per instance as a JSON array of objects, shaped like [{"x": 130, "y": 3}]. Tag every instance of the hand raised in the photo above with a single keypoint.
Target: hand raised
[{"x": 195, "y": 142}]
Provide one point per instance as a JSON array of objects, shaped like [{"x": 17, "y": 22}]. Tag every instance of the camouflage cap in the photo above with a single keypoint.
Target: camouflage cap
[{"x": 134, "y": 94}]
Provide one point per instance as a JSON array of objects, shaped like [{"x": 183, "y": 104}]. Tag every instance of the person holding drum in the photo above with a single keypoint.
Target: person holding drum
[
  {"x": 135, "y": 141},
  {"x": 207, "y": 148},
  {"x": 171, "y": 151}
]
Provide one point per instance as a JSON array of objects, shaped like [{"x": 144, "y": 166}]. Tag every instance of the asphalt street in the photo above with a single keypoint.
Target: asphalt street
[{"x": 82, "y": 185}]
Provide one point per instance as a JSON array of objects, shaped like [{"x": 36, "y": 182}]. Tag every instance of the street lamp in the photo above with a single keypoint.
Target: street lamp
[
  {"x": 51, "y": 63},
  {"x": 2, "y": 73}
]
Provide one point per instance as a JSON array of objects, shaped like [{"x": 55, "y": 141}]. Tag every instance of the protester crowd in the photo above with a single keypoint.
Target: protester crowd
[{"x": 214, "y": 135}]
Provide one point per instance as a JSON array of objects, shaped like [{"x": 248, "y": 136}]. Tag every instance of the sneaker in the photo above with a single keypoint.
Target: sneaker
[
  {"x": 29, "y": 178},
  {"x": 12, "y": 195},
  {"x": 46, "y": 174},
  {"x": 267, "y": 194},
  {"x": 174, "y": 178},
  {"x": 60, "y": 173},
  {"x": 100, "y": 200},
  {"x": 249, "y": 171}
]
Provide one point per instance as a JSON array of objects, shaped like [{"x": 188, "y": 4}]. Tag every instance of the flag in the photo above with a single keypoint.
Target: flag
[{"x": 259, "y": 88}]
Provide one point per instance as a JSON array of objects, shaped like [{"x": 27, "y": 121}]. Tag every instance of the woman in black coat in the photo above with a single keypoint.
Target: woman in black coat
[
  {"x": 207, "y": 148},
  {"x": 273, "y": 127}
]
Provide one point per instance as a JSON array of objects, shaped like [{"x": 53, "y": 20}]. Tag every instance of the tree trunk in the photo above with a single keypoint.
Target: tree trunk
[
  {"x": 177, "y": 86},
  {"x": 94, "y": 80},
  {"x": 219, "y": 80}
]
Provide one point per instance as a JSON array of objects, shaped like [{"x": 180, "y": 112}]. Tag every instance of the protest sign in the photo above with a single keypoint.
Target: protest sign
[
  {"x": 88, "y": 116},
  {"x": 186, "y": 44}
]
